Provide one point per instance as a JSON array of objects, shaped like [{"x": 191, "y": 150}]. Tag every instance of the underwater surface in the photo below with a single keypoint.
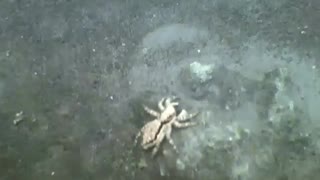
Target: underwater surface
[{"x": 75, "y": 77}]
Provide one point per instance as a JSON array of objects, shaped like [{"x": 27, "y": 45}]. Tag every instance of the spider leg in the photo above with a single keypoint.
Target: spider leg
[
  {"x": 160, "y": 104},
  {"x": 136, "y": 138},
  {"x": 169, "y": 138},
  {"x": 151, "y": 111},
  {"x": 184, "y": 115},
  {"x": 178, "y": 124},
  {"x": 150, "y": 145},
  {"x": 169, "y": 101}
]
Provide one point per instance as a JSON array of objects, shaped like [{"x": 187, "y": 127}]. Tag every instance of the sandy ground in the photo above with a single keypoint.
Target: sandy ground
[{"x": 79, "y": 71}]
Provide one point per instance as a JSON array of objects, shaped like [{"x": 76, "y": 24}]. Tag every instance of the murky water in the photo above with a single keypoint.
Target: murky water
[{"x": 75, "y": 74}]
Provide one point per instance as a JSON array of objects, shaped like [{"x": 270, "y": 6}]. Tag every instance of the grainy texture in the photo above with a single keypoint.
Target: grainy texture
[{"x": 80, "y": 71}]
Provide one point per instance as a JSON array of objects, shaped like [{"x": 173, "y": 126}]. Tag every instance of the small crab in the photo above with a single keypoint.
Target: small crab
[
  {"x": 150, "y": 130},
  {"x": 154, "y": 132}
]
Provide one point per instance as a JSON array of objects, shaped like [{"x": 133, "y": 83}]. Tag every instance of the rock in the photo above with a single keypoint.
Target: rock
[
  {"x": 196, "y": 78},
  {"x": 217, "y": 84},
  {"x": 201, "y": 72}
]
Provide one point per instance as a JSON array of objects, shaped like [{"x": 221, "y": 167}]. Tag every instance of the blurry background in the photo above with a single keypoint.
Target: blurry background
[{"x": 73, "y": 76}]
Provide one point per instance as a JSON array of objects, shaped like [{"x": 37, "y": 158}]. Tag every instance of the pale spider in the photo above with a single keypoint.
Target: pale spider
[{"x": 154, "y": 132}]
